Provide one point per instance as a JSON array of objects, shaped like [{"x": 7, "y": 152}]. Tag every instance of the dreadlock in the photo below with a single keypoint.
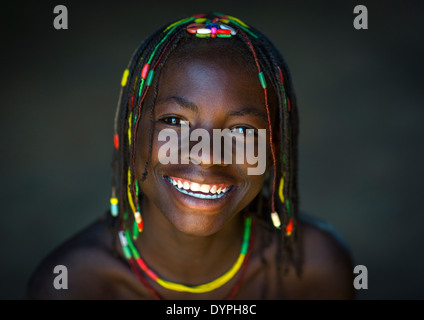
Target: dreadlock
[{"x": 142, "y": 75}]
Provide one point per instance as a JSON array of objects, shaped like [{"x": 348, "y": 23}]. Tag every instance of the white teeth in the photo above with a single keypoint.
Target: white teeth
[
  {"x": 195, "y": 186},
  {"x": 213, "y": 189},
  {"x": 204, "y": 188}
]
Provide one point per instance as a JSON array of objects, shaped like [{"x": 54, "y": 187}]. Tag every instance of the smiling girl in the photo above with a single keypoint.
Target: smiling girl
[{"x": 200, "y": 229}]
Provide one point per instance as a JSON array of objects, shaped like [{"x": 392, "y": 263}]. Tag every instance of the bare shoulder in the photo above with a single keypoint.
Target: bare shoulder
[
  {"x": 89, "y": 260},
  {"x": 327, "y": 271}
]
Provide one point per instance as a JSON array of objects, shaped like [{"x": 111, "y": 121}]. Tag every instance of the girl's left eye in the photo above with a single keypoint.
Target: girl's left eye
[{"x": 241, "y": 130}]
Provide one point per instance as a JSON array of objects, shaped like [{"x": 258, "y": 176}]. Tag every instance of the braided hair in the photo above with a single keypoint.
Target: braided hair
[{"x": 277, "y": 209}]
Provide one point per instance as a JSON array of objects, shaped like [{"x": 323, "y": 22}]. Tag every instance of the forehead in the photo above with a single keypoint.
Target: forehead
[{"x": 213, "y": 72}]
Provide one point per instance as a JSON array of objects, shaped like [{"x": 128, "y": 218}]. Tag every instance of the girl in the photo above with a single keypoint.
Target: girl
[{"x": 202, "y": 229}]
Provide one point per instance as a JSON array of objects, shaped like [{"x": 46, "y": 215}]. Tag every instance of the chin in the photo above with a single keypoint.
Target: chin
[{"x": 195, "y": 224}]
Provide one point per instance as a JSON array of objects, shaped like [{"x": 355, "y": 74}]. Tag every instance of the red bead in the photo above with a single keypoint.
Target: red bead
[
  {"x": 116, "y": 141},
  {"x": 202, "y": 15},
  {"x": 281, "y": 75},
  {"x": 145, "y": 71},
  {"x": 192, "y": 28},
  {"x": 132, "y": 102},
  {"x": 223, "y": 31},
  {"x": 288, "y": 104},
  {"x": 289, "y": 227},
  {"x": 215, "y": 20},
  {"x": 140, "y": 225}
]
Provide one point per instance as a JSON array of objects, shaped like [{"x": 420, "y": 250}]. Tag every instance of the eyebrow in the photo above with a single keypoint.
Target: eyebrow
[
  {"x": 182, "y": 102},
  {"x": 248, "y": 111},
  {"x": 244, "y": 111}
]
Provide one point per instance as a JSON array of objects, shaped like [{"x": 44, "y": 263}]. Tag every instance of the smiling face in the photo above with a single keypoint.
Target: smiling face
[{"x": 211, "y": 90}]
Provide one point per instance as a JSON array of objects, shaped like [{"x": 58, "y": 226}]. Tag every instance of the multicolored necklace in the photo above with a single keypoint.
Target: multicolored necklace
[{"x": 133, "y": 257}]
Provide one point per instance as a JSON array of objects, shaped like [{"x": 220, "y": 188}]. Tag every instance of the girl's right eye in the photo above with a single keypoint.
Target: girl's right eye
[{"x": 172, "y": 120}]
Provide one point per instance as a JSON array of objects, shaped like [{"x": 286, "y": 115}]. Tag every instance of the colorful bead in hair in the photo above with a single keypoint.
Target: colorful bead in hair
[
  {"x": 205, "y": 28},
  {"x": 114, "y": 206}
]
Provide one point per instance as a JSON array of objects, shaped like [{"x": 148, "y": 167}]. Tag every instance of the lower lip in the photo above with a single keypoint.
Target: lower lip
[{"x": 198, "y": 203}]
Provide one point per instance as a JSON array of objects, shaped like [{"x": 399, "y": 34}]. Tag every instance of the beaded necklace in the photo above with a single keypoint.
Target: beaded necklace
[{"x": 133, "y": 257}]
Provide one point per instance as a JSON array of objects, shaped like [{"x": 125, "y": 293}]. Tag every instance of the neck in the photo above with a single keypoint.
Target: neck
[{"x": 194, "y": 259}]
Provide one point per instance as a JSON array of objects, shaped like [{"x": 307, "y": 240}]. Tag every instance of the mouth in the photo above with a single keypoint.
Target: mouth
[{"x": 197, "y": 190}]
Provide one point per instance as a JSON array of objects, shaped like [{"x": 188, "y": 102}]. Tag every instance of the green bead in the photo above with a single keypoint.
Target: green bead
[
  {"x": 136, "y": 187},
  {"x": 127, "y": 252},
  {"x": 288, "y": 208},
  {"x": 223, "y": 35},
  {"x": 149, "y": 77},
  {"x": 262, "y": 80},
  {"x": 141, "y": 87},
  {"x": 203, "y": 35},
  {"x": 135, "y": 230},
  {"x": 244, "y": 247},
  {"x": 134, "y": 251}
]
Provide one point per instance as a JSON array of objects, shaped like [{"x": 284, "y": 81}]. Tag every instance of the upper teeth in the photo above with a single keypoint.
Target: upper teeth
[{"x": 193, "y": 186}]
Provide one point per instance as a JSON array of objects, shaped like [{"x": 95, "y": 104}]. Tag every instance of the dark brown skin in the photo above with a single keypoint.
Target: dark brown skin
[{"x": 199, "y": 240}]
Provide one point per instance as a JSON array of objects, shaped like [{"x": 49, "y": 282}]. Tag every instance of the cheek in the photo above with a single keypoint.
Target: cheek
[
  {"x": 254, "y": 186},
  {"x": 257, "y": 183}
]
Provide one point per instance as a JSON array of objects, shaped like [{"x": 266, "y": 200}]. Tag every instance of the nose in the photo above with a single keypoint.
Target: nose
[
  {"x": 199, "y": 149},
  {"x": 203, "y": 154}
]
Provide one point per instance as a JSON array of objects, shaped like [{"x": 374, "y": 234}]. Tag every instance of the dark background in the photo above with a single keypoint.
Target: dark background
[{"x": 360, "y": 100}]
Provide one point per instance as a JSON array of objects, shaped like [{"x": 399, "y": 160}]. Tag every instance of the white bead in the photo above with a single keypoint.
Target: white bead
[
  {"x": 137, "y": 217},
  {"x": 203, "y": 31},
  {"x": 123, "y": 238},
  {"x": 224, "y": 26},
  {"x": 275, "y": 219}
]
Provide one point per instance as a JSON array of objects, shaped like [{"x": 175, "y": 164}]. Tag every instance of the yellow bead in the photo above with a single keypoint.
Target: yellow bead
[
  {"x": 281, "y": 190},
  {"x": 238, "y": 21},
  {"x": 113, "y": 200},
  {"x": 200, "y": 20},
  {"x": 125, "y": 77}
]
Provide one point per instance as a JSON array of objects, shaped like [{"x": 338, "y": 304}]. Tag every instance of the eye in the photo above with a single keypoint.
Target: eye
[
  {"x": 242, "y": 130},
  {"x": 172, "y": 120}
]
